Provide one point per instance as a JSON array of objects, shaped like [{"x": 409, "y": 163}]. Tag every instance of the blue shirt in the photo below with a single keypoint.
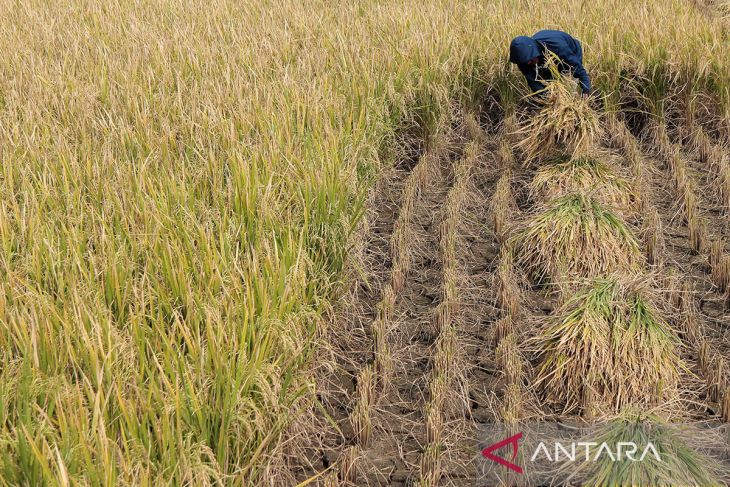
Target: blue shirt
[{"x": 566, "y": 48}]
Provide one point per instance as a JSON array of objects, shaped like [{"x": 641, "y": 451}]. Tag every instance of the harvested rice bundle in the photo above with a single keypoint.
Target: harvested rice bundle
[
  {"x": 675, "y": 458},
  {"x": 607, "y": 347},
  {"x": 585, "y": 174},
  {"x": 575, "y": 235},
  {"x": 566, "y": 122}
]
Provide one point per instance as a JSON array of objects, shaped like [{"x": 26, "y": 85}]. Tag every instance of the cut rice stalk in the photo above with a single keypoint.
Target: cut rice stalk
[
  {"x": 677, "y": 460},
  {"x": 609, "y": 344},
  {"x": 725, "y": 406},
  {"x": 577, "y": 236},
  {"x": 565, "y": 123},
  {"x": 589, "y": 175},
  {"x": 653, "y": 237}
]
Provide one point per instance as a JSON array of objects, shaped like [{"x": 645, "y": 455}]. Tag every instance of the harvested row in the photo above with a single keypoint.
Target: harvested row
[
  {"x": 697, "y": 325},
  {"x": 509, "y": 298},
  {"x": 579, "y": 242},
  {"x": 405, "y": 242},
  {"x": 609, "y": 342},
  {"x": 448, "y": 402},
  {"x": 484, "y": 197},
  {"x": 354, "y": 379},
  {"x": 399, "y": 420},
  {"x": 511, "y": 402},
  {"x": 714, "y": 163},
  {"x": 351, "y": 380}
]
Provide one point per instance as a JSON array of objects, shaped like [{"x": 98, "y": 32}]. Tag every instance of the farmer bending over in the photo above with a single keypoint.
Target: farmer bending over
[{"x": 528, "y": 53}]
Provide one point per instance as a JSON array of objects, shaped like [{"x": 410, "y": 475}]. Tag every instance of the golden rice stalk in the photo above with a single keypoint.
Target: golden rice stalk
[
  {"x": 509, "y": 360},
  {"x": 565, "y": 123},
  {"x": 689, "y": 319},
  {"x": 725, "y": 406},
  {"x": 704, "y": 356},
  {"x": 719, "y": 265},
  {"x": 502, "y": 205},
  {"x": 434, "y": 416},
  {"x": 473, "y": 129},
  {"x": 608, "y": 338},
  {"x": 575, "y": 235},
  {"x": 442, "y": 316},
  {"x": 512, "y": 403},
  {"x": 386, "y": 305},
  {"x": 430, "y": 465},
  {"x": 451, "y": 289},
  {"x": 615, "y": 132},
  {"x": 718, "y": 159},
  {"x": 641, "y": 182},
  {"x": 659, "y": 139},
  {"x": 722, "y": 182},
  {"x": 685, "y": 188},
  {"x": 450, "y": 372},
  {"x": 695, "y": 224},
  {"x": 622, "y": 138},
  {"x": 692, "y": 326},
  {"x": 383, "y": 358},
  {"x": 509, "y": 294},
  {"x": 398, "y": 277},
  {"x": 445, "y": 352},
  {"x": 331, "y": 479},
  {"x": 653, "y": 236},
  {"x": 502, "y": 328},
  {"x": 360, "y": 418},
  {"x": 505, "y": 155},
  {"x": 585, "y": 174},
  {"x": 673, "y": 286},
  {"x": 700, "y": 143},
  {"x": 715, "y": 378},
  {"x": 348, "y": 464},
  {"x": 510, "y": 127},
  {"x": 678, "y": 169}
]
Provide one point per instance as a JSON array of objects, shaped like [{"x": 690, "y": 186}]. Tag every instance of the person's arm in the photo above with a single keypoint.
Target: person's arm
[
  {"x": 576, "y": 63},
  {"x": 530, "y": 73}
]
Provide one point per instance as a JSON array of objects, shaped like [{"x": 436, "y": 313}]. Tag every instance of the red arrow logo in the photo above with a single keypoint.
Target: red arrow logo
[{"x": 512, "y": 440}]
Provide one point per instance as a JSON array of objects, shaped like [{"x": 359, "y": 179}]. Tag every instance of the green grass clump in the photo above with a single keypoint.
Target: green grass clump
[
  {"x": 578, "y": 236},
  {"x": 607, "y": 347}
]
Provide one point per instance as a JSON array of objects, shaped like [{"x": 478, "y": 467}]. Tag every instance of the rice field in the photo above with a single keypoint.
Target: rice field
[{"x": 277, "y": 242}]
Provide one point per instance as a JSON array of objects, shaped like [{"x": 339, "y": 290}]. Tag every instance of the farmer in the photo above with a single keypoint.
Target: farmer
[{"x": 528, "y": 53}]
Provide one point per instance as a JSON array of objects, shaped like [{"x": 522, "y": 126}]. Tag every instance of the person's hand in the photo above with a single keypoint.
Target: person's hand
[{"x": 585, "y": 95}]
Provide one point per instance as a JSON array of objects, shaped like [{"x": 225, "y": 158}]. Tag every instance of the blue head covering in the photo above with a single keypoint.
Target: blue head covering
[{"x": 522, "y": 49}]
